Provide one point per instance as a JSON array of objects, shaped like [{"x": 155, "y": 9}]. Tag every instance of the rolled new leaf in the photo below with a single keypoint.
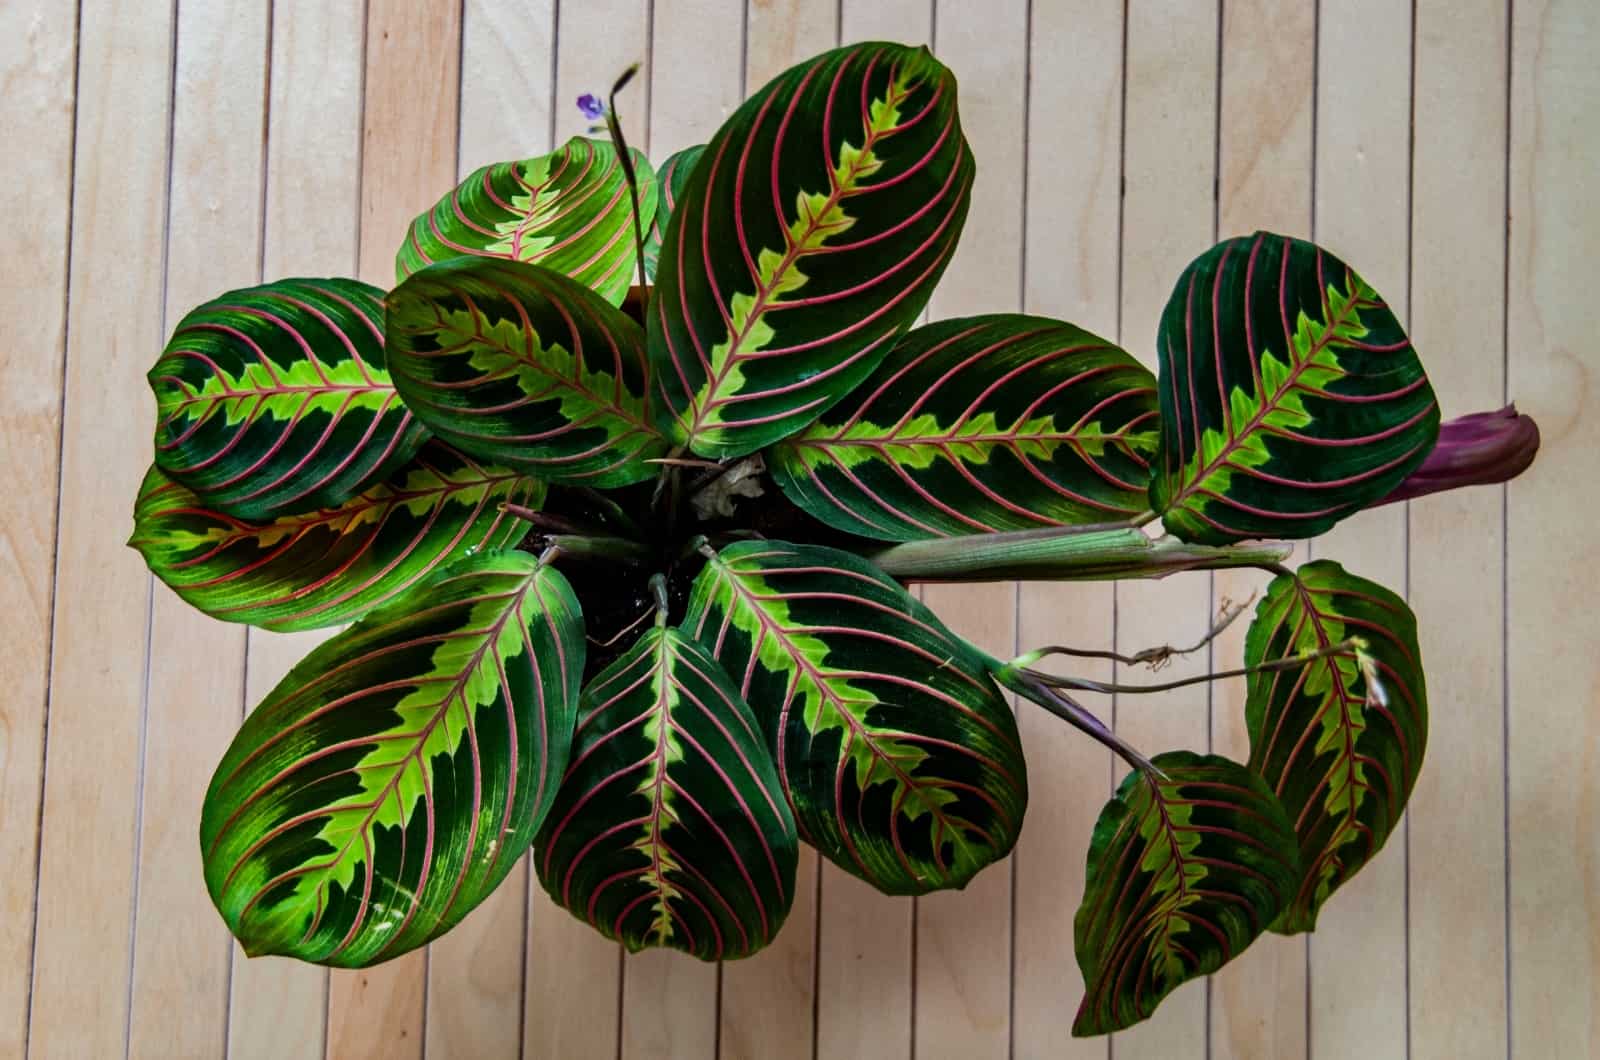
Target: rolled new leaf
[
  {"x": 671, "y": 179},
  {"x": 569, "y": 211},
  {"x": 898, "y": 754},
  {"x": 1340, "y": 751},
  {"x": 1290, "y": 395},
  {"x": 391, "y": 781},
  {"x": 810, "y": 234},
  {"x": 980, "y": 425},
  {"x": 670, "y": 828},
  {"x": 1184, "y": 872},
  {"x": 519, "y": 365},
  {"x": 332, "y": 565},
  {"x": 275, "y": 399}
]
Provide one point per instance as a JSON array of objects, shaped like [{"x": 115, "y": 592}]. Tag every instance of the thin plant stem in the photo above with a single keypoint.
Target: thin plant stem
[
  {"x": 1154, "y": 657},
  {"x": 1028, "y": 685},
  {"x": 1083, "y": 684},
  {"x": 614, "y": 124}
]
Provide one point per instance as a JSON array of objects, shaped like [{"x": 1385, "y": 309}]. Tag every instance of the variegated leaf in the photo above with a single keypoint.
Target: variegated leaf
[
  {"x": 810, "y": 234},
  {"x": 568, "y": 211},
  {"x": 1290, "y": 395},
  {"x": 392, "y": 780},
  {"x": 671, "y": 179},
  {"x": 670, "y": 828},
  {"x": 522, "y": 366},
  {"x": 1341, "y": 752},
  {"x": 275, "y": 399},
  {"x": 898, "y": 754},
  {"x": 331, "y": 565},
  {"x": 1183, "y": 874},
  {"x": 980, "y": 425}
]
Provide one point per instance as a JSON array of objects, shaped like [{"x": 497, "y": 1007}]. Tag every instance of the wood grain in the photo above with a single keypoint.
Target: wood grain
[
  {"x": 38, "y": 59},
  {"x": 1458, "y": 812}
]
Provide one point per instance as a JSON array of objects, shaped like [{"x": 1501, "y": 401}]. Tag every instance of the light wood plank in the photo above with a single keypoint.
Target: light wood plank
[
  {"x": 1552, "y": 623},
  {"x": 278, "y": 1006},
  {"x": 767, "y": 1001},
  {"x": 573, "y": 976},
  {"x": 1169, "y": 152},
  {"x": 865, "y": 939},
  {"x": 1258, "y": 1002},
  {"x": 114, "y": 331},
  {"x": 1358, "y": 953},
  {"x": 38, "y": 56},
  {"x": 963, "y": 943},
  {"x": 476, "y": 971},
  {"x": 408, "y": 160},
  {"x": 1074, "y": 177},
  {"x": 196, "y": 682},
  {"x": 1457, "y": 814},
  {"x": 669, "y": 1002}
]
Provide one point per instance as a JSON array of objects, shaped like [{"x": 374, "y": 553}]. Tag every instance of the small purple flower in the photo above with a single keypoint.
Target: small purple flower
[{"x": 591, "y": 106}]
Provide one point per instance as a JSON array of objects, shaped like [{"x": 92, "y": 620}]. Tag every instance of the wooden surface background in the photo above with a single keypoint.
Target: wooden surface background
[{"x": 157, "y": 152}]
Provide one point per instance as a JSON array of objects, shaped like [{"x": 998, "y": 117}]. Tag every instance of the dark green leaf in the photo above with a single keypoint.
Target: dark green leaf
[
  {"x": 392, "y": 780},
  {"x": 899, "y": 755},
  {"x": 810, "y": 234},
  {"x": 1341, "y": 754},
  {"x": 670, "y": 828},
  {"x": 332, "y": 565},
  {"x": 980, "y": 425},
  {"x": 671, "y": 179},
  {"x": 274, "y": 399},
  {"x": 1184, "y": 873},
  {"x": 522, "y": 366},
  {"x": 1290, "y": 395},
  {"x": 568, "y": 211}
]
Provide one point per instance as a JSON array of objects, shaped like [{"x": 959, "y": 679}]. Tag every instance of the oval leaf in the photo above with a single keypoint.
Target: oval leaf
[
  {"x": 568, "y": 211},
  {"x": 392, "y": 780},
  {"x": 671, "y": 179},
  {"x": 980, "y": 425},
  {"x": 1184, "y": 873},
  {"x": 810, "y": 234},
  {"x": 274, "y": 399},
  {"x": 522, "y": 366},
  {"x": 670, "y": 828},
  {"x": 1290, "y": 395},
  {"x": 1341, "y": 753},
  {"x": 332, "y": 565},
  {"x": 898, "y": 754}
]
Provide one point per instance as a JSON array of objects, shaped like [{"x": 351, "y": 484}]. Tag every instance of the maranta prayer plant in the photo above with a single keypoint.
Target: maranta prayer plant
[{"x": 622, "y": 567}]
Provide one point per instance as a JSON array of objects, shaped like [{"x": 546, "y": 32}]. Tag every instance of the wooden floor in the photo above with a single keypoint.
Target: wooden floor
[{"x": 157, "y": 153}]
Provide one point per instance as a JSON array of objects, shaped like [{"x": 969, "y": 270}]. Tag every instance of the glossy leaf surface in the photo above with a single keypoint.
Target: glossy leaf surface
[
  {"x": 899, "y": 755},
  {"x": 275, "y": 399},
  {"x": 980, "y": 425},
  {"x": 810, "y": 234},
  {"x": 385, "y": 787},
  {"x": 520, "y": 365},
  {"x": 568, "y": 211},
  {"x": 1290, "y": 395},
  {"x": 1183, "y": 875},
  {"x": 331, "y": 565},
  {"x": 671, "y": 179},
  {"x": 1341, "y": 755},
  {"x": 671, "y": 828}
]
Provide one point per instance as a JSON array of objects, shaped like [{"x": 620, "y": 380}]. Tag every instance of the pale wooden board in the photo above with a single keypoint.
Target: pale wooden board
[
  {"x": 196, "y": 684},
  {"x": 767, "y": 1002},
  {"x": 83, "y": 946},
  {"x": 1074, "y": 154},
  {"x": 1552, "y": 623},
  {"x": 1169, "y": 154},
  {"x": 37, "y": 64},
  {"x": 1258, "y": 1002},
  {"x": 408, "y": 160},
  {"x": 1457, "y": 812},
  {"x": 1362, "y": 213},
  {"x": 475, "y": 973}
]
